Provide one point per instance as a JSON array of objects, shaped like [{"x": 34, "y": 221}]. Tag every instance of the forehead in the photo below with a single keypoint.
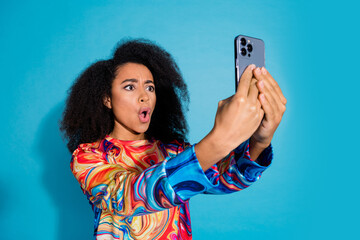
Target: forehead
[{"x": 133, "y": 71}]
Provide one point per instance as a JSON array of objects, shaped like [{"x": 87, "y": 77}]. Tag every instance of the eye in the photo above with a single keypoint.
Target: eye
[
  {"x": 151, "y": 88},
  {"x": 129, "y": 87}
]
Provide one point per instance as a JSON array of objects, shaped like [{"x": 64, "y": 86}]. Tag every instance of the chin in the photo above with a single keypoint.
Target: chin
[{"x": 142, "y": 130}]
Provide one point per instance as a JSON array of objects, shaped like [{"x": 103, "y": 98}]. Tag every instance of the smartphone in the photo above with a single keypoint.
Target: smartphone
[{"x": 248, "y": 50}]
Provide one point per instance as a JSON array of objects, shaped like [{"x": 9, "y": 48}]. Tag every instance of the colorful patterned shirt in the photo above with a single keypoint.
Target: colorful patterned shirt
[{"x": 141, "y": 189}]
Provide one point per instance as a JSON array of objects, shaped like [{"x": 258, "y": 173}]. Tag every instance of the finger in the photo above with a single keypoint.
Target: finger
[
  {"x": 268, "y": 90},
  {"x": 272, "y": 99},
  {"x": 270, "y": 93},
  {"x": 253, "y": 91},
  {"x": 261, "y": 113},
  {"x": 268, "y": 109},
  {"x": 274, "y": 84},
  {"x": 245, "y": 80}
]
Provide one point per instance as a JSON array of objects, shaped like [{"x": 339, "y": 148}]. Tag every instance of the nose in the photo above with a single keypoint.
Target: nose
[{"x": 143, "y": 97}]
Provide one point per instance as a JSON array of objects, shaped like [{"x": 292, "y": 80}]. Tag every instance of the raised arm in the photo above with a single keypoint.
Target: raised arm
[
  {"x": 236, "y": 120},
  {"x": 110, "y": 187},
  {"x": 255, "y": 112},
  {"x": 237, "y": 170},
  {"x": 245, "y": 114}
]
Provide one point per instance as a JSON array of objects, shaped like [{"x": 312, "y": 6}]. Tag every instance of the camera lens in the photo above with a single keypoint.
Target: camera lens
[
  {"x": 243, "y": 51},
  {"x": 243, "y": 41},
  {"x": 249, "y": 47}
]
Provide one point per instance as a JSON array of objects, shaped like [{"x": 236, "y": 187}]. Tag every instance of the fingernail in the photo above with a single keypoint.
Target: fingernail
[
  {"x": 257, "y": 70},
  {"x": 252, "y": 66},
  {"x": 263, "y": 70}
]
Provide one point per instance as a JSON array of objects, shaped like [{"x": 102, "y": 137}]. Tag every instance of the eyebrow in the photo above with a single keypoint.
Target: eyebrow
[{"x": 133, "y": 80}]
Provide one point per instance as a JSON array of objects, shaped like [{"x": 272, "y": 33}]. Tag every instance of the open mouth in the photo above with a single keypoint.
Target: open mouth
[{"x": 144, "y": 114}]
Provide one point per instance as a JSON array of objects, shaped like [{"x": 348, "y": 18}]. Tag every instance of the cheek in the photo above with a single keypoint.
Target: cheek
[
  {"x": 120, "y": 98},
  {"x": 121, "y": 105}
]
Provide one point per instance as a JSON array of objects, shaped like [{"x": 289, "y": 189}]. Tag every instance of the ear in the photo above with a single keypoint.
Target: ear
[{"x": 107, "y": 102}]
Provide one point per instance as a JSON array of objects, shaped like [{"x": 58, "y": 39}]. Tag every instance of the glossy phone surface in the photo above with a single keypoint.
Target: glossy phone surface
[{"x": 248, "y": 50}]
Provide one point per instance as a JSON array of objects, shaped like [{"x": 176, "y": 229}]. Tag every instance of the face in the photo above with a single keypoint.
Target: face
[{"x": 132, "y": 102}]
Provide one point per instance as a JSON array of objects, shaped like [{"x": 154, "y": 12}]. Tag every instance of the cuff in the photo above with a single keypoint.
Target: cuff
[
  {"x": 252, "y": 170},
  {"x": 264, "y": 159},
  {"x": 266, "y": 156},
  {"x": 185, "y": 174}
]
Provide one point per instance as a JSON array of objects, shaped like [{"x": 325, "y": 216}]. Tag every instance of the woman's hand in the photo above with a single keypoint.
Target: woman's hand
[
  {"x": 236, "y": 120},
  {"x": 239, "y": 116},
  {"x": 273, "y": 103}
]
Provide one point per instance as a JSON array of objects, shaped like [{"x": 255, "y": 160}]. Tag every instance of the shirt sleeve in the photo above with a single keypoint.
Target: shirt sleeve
[
  {"x": 238, "y": 171},
  {"x": 122, "y": 192}
]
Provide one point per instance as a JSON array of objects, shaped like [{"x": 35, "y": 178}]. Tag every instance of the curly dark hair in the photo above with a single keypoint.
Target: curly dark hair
[{"x": 86, "y": 119}]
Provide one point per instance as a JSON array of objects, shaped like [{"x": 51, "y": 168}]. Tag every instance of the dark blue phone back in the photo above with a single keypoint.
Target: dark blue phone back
[{"x": 248, "y": 50}]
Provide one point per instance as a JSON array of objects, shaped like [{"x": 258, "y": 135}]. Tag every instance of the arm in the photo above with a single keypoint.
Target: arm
[
  {"x": 238, "y": 118},
  {"x": 237, "y": 171},
  {"x": 113, "y": 188},
  {"x": 256, "y": 151}
]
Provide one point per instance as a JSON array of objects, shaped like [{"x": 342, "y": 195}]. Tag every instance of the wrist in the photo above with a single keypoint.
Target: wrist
[
  {"x": 256, "y": 148},
  {"x": 209, "y": 151},
  {"x": 257, "y": 144},
  {"x": 215, "y": 145}
]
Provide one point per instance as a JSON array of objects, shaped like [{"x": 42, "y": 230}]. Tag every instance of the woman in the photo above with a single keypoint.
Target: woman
[{"x": 125, "y": 123}]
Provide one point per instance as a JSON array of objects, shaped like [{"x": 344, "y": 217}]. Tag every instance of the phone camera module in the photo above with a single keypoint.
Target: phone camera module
[
  {"x": 243, "y": 41},
  {"x": 243, "y": 51},
  {"x": 249, "y": 47}
]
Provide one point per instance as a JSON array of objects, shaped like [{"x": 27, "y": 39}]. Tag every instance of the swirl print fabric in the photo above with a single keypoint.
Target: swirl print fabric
[{"x": 141, "y": 189}]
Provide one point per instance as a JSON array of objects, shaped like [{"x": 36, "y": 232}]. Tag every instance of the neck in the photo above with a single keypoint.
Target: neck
[{"x": 127, "y": 136}]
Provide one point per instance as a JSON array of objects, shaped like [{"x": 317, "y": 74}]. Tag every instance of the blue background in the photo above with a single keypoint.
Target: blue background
[{"x": 312, "y": 49}]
